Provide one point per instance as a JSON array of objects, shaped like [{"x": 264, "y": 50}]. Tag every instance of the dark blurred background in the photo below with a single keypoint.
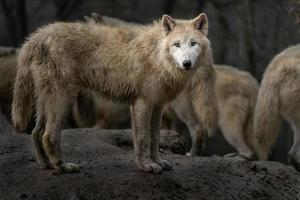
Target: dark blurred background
[{"x": 244, "y": 33}]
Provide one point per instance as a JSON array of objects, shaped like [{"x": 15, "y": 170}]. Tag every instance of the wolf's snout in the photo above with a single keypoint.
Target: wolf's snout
[{"x": 187, "y": 63}]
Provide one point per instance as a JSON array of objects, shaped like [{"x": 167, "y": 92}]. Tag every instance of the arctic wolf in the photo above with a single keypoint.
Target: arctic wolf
[
  {"x": 236, "y": 92},
  {"x": 8, "y": 62},
  {"x": 279, "y": 98},
  {"x": 145, "y": 67}
]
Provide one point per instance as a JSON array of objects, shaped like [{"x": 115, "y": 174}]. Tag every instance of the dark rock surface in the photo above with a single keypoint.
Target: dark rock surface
[{"x": 109, "y": 172}]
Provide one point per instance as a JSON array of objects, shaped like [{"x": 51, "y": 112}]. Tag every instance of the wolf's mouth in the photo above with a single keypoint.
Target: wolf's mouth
[{"x": 187, "y": 69}]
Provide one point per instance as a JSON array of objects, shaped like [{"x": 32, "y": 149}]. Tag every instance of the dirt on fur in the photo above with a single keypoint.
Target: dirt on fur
[{"x": 109, "y": 172}]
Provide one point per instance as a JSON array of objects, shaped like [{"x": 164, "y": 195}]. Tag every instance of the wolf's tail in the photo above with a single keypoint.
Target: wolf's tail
[
  {"x": 267, "y": 118},
  {"x": 250, "y": 106},
  {"x": 205, "y": 100},
  {"x": 23, "y": 95}
]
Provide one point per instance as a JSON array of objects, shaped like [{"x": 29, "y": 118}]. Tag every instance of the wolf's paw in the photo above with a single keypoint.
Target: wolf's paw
[
  {"x": 166, "y": 165},
  {"x": 191, "y": 154},
  {"x": 195, "y": 151},
  {"x": 151, "y": 167},
  {"x": 231, "y": 155},
  {"x": 188, "y": 154},
  {"x": 235, "y": 156},
  {"x": 70, "y": 167},
  {"x": 249, "y": 156}
]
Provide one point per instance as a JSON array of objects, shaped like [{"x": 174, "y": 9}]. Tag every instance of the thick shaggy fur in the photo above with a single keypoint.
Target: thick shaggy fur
[
  {"x": 236, "y": 92},
  {"x": 278, "y": 99},
  {"x": 127, "y": 65},
  {"x": 198, "y": 94}
]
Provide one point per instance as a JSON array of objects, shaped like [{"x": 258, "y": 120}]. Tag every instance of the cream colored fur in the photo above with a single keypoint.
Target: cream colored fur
[
  {"x": 127, "y": 65},
  {"x": 279, "y": 98},
  {"x": 199, "y": 91},
  {"x": 236, "y": 92}
]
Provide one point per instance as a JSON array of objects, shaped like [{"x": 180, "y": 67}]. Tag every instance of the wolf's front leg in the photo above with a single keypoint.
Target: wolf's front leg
[
  {"x": 185, "y": 110},
  {"x": 155, "y": 136},
  {"x": 199, "y": 138},
  {"x": 141, "y": 113}
]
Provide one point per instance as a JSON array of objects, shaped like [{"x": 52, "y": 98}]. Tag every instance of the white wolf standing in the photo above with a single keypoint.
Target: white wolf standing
[
  {"x": 236, "y": 92},
  {"x": 145, "y": 67},
  {"x": 279, "y": 98}
]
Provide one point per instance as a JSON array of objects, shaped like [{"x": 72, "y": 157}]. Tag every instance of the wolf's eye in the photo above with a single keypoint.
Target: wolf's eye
[
  {"x": 193, "y": 43},
  {"x": 177, "y": 44}
]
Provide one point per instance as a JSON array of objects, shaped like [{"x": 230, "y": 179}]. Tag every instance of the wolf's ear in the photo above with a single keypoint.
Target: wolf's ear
[
  {"x": 168, "y": 23},
  {"x": 201, "y": 23}
]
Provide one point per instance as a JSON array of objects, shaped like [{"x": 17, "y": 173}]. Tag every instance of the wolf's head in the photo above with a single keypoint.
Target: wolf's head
[{"x": 186, "y": 40}]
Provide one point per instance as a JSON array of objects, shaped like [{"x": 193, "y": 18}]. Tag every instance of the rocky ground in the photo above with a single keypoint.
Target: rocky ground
[{"x": 109, "y": 172}]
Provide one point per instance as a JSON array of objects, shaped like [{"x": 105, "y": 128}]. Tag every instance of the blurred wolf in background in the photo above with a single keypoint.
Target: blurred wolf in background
[
  {"x": 146, "y": 67},
  {"x": 8, "y": 64},
  {"x": 236, "y": 92},
  {"x": 279, "y": 98}
]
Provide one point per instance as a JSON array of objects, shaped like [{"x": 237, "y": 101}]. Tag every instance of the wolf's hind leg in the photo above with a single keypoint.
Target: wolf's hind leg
[
  {"x": 154, "y": 140},
  {"x": 141, "y": 118},
  {"x": 233, "y": 132},
  {"x": 57, "y": 108},
  {"x": 37, "y": 135},
  {"x": 234, "y": 121}
]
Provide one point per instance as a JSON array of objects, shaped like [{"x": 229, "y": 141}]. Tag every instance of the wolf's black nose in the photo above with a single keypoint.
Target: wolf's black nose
[{"x": 187, "y": 63}]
